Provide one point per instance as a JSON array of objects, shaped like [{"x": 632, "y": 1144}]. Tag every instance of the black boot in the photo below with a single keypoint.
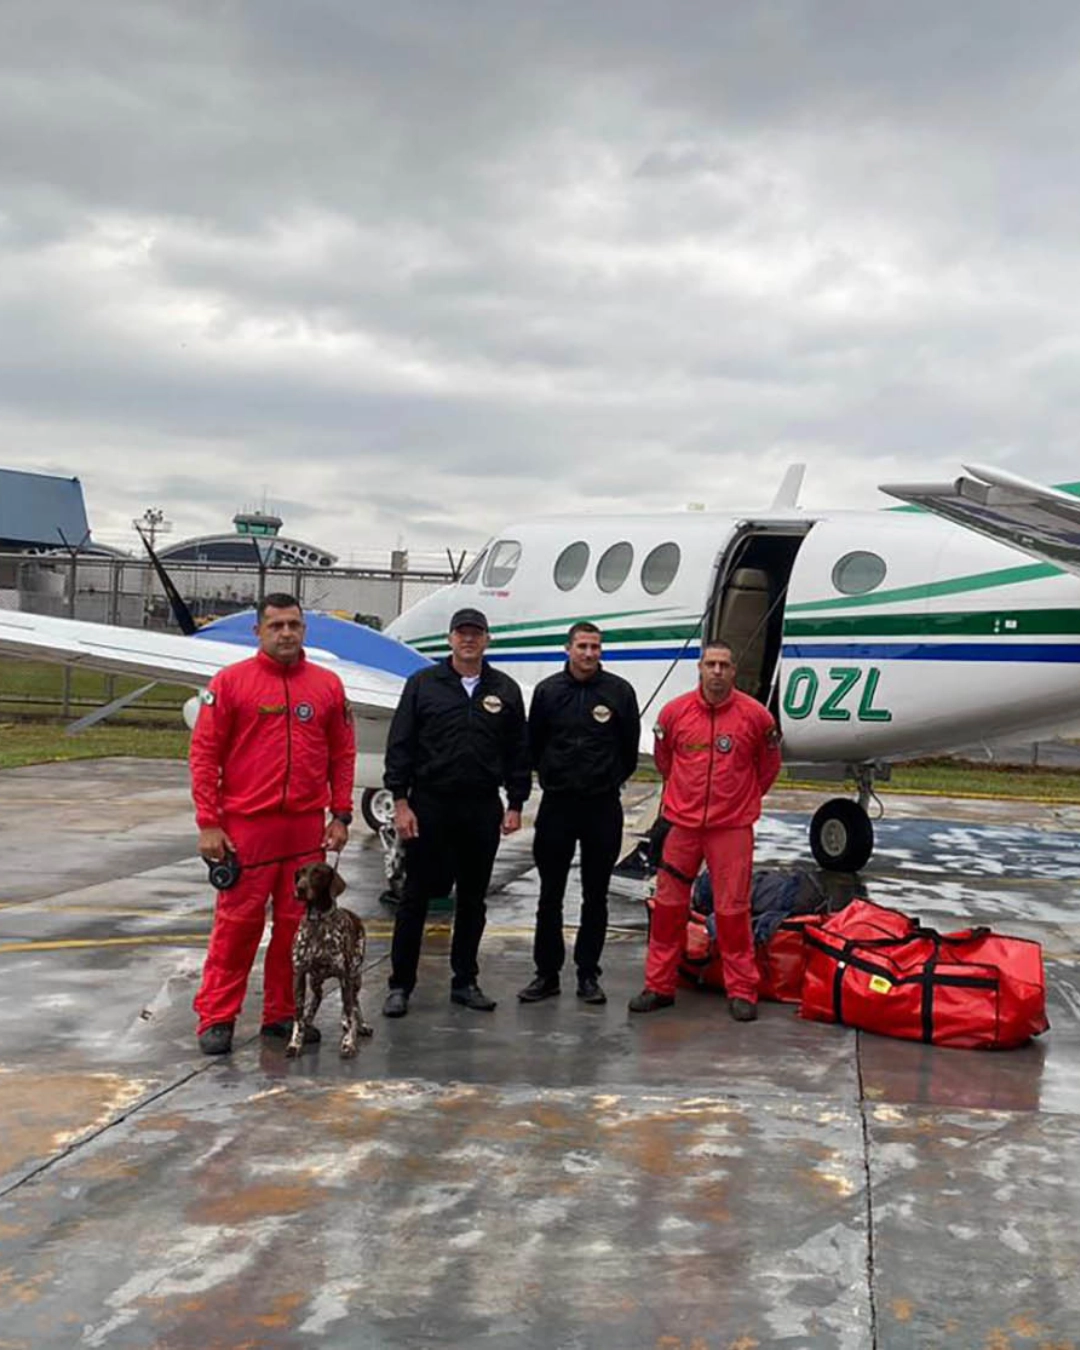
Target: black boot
[
  {"x": 543, "y": 986},
  {"x": 650, "y": 1001},
  {"x": 472, "y": 996}
]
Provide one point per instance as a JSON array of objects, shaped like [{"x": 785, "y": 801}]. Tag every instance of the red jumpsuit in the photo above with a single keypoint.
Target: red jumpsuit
[
  {"x": 273, "y": 746},
  {"x": 717, "y": 760}
]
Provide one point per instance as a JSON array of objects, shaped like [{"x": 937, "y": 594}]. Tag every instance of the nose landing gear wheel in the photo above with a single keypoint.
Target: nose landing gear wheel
[
  {"x": 841, "y": 836},
  {"x": 377, "y": 808}
]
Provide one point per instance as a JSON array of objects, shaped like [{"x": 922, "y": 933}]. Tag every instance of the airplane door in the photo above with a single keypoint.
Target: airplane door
[{"x": 747, "y": 611}]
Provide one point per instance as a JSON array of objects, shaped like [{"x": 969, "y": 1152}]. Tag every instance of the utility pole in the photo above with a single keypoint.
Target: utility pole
[
  {"x": 152, "y": 522},
  {"x": 73, "y": 552},
  {"x": 149, "y": 525}
]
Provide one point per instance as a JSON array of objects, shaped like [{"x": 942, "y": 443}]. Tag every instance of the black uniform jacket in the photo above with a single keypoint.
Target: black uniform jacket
[
  {"x": 583, "y": 734},
  {"x": 443, "y": 741}
]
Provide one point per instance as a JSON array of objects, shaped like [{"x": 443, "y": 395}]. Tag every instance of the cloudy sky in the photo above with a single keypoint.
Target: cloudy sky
[{"x": 413, "y": 269}]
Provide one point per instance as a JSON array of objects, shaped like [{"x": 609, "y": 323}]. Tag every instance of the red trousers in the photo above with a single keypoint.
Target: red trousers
[
  {"x": 240, "y": 916},
  {"x": 729, "y": 855}
]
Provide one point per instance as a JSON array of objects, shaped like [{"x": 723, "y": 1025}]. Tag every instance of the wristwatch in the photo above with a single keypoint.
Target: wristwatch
[{"x": 344, "y": 816}]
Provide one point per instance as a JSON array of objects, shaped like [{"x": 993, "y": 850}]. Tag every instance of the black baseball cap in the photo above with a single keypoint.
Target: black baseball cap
[{"x": 469, "y": 618}]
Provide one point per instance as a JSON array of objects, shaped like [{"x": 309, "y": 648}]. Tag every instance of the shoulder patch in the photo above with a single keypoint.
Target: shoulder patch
[
  {"x": 773, "y": 737},
  {"x": 659, "y": 732},
  {"x": 208, "y": 697}
]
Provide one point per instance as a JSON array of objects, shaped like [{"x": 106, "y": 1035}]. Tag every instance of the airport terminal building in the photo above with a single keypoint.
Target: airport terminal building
[{"x": 50, "y": 564}]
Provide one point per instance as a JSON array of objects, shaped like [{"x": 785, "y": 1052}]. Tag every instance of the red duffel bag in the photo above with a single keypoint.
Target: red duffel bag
[
  {"x": 780, "y": 960},
  {"x": 879, "y": 970}
]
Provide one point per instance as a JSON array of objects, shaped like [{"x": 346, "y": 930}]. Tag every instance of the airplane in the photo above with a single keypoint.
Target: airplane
[{"x": 873, "y": 636}]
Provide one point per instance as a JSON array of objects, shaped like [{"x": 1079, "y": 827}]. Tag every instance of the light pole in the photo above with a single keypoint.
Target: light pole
[{"x": 149, "y": 525}]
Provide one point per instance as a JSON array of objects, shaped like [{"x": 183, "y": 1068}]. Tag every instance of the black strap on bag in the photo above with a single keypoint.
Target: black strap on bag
[{"x": 661, "y": 828}]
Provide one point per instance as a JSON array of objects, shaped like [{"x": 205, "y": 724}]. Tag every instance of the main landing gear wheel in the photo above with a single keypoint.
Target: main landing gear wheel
[
  {"x": 841, "y": 836},
  {"x": 377, "y": 808}
]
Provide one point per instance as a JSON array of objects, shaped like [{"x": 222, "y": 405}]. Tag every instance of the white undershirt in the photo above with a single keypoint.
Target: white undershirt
[{"x": 470, "y": 682}]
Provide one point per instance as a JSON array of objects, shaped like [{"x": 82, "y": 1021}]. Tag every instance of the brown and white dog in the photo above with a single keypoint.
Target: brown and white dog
[{"x": 329, "y": 945}]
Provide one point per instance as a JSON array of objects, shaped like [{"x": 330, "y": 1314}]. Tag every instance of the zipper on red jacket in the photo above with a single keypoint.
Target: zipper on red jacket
[
  {"x": 288, "y": 743},
  {"x": 708, "y": 776}
]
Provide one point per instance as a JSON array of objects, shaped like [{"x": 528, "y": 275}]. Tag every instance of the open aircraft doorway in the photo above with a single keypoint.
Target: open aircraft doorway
[{"x": 747, "y": 606}]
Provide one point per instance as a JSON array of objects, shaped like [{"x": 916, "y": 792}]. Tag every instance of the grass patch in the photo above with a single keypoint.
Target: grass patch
[
  {"x": 945, "y": 777},
  {"x": 35, "y": 689},
  {"x": 45, "y": 743},
  {"x": 962, "y": 778}
]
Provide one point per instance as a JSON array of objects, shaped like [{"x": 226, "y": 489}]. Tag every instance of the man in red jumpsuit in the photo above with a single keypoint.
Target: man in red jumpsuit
[
  {"x": 273, "y": 748},
  {"x": 718, "y": 752}
]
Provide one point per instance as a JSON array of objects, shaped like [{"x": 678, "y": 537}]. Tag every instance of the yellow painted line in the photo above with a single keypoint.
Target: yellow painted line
[
  {"x": 126, "y": 911},
  {"x": 60, "y": 944},
  {"x": 200, "y": 939}
]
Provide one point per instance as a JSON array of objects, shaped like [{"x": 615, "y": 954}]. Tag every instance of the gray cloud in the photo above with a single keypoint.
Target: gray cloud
[{"x": 414, "y": 270}]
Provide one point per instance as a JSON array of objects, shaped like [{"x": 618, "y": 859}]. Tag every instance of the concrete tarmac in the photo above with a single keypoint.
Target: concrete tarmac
[{"x": 553, "y": 1175}]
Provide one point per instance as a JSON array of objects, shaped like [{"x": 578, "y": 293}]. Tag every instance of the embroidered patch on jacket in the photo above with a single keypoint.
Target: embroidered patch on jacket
[
  {"x": 492, "y": 703},
  {"x": 724, "y": 744},
  {"x": 659, "y": 732},
  {"x": 304, "y": 712},
  {"x": 601, "y": 713},
  {"x": 773, "y": 738},
  {"x": 207, "y": 696},
  {"x": 273, "y": 709}
]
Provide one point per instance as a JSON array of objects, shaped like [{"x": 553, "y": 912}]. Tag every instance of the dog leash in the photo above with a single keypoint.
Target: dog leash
[{"x": 225, "y": 872}]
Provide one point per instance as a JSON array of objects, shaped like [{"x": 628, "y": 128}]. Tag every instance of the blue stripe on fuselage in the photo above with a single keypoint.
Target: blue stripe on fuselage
[{"x": 1052, "y": 653}]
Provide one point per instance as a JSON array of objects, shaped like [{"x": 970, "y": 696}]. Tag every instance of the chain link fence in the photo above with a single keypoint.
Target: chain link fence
[{"x": 127, "y": 591}]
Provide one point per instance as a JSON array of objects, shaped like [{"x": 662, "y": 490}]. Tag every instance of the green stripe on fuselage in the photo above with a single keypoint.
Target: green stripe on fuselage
[
  {"x": 561, "y": 624},
  {"x": 979, "y": 581},
  {"x": 992, "y": 623},
  {"x": 667, "y": 633}
]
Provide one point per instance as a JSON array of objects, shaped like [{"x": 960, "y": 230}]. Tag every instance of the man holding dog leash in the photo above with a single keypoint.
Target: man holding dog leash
[{"x": 272, "y": 749}]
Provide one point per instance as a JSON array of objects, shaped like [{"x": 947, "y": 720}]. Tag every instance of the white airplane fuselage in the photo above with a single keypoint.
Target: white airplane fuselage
[{"x": 872, "y": 635}]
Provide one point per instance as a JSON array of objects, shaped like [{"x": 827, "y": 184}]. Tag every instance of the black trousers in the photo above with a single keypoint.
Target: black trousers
[
  {"x": 458, "y": 839},
  {"x": 564, "y": 820}
]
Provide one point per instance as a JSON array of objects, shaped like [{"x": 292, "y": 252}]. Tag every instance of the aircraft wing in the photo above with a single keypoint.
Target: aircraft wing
[
  {"x": 175, "y": 658},
  {"x": 1037, "y": 520}
]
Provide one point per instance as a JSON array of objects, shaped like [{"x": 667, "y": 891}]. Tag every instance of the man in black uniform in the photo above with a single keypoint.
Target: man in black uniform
[
  {"x": 583, "y": 736},
  {"x": 458, "y": 735}
]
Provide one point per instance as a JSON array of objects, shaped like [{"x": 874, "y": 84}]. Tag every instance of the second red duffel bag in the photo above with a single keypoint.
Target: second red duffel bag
[{"x": 879, "y": 970}]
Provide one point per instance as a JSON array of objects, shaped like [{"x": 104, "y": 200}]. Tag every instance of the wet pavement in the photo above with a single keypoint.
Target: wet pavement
[{"x": 553, "y": 1175}]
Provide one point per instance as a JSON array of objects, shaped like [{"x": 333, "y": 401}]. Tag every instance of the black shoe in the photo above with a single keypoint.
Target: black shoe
[
  {"x": 650, "y": 1001},
  {"x": 472, "y": 996},
  {"x": 281, "y": 1031},
  {"x": 397, "y": 1003},
  {"x": 589, "y": 991},
  {"x": 742, "y": 1009},
  {"x": 216, "y": 1040},
  {"x": 543, "y": 986}
]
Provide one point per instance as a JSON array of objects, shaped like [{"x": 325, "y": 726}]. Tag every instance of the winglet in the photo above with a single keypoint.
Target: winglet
[{"x": 787, "y": 496}]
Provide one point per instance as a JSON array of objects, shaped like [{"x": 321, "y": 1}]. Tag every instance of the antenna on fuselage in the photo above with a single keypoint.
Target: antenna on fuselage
[{"x": 787, "y": 496}]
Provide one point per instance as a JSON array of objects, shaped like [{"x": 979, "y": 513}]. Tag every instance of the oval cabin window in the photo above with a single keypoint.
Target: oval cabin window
[
  {"x": 614, "y": 566},
  {"x": 859, "y": 572},
  {"x": 659, "y": 568},
  {"x": 502, "y": 563},
  {"x": 570, "y": 565}
]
